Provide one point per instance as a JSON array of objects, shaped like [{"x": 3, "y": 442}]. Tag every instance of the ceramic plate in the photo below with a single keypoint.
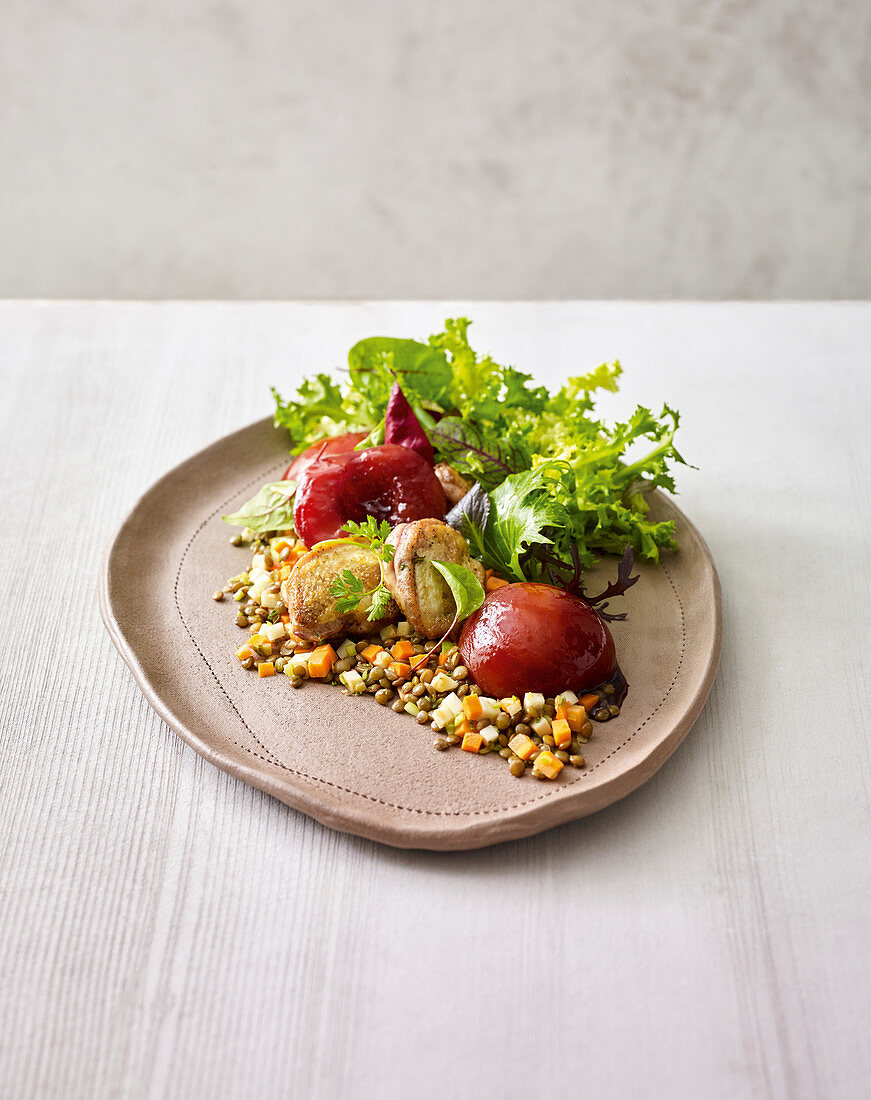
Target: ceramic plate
[{"x": 349, "y": 763}]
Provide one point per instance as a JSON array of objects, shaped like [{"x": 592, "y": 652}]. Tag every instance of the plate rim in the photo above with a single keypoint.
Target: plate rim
[{"x": 466, "y": 830}]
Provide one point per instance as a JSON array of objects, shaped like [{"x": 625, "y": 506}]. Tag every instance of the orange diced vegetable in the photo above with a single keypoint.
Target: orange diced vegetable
[
  {"x": 244, "y": 652},
  {"x": 464, "y": 726},
  {"x": 321, "y": 661},
  {"x": 472, "y": 742},
  {"x": 495, "y": 582},
  {"x": 472, "y": 707},
  {"x": 402, "y": 649},
  {"x": 547, "y": 764},
  {"x": 285, "y": 618},
  {"x": 575, "y": 715},
  {"x": 588, "y": 702},
  {"x": 561, "y": 732},
  {"x": 400, "y": 669},
  {"x": 266, "y": 668},
  {"x": 522, "y": 746},
  {"x": 371, "y": 652},
  {"x": 443, "y": 659}
]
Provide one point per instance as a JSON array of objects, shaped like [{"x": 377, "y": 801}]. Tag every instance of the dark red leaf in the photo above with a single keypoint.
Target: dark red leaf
[
  {"x": 402, "y": 426},
  {"x": 570, "y": 577}
]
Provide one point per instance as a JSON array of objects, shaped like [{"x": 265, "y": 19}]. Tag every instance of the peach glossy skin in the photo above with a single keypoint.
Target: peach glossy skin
[
  {"x": 534, "y": 637},
  {"x": 389, "y": 482},
  {"x": 334, "y": 445}
]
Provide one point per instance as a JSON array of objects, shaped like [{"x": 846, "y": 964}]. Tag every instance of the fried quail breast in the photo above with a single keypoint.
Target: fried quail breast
[
  {"x": 418, "y": 588},
  {"x": 454, "y": 484},
  {"x": 308, "y": 592}
]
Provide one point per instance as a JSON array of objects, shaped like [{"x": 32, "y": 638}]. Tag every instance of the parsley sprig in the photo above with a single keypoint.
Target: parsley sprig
[{"x": 347, "y": 589}]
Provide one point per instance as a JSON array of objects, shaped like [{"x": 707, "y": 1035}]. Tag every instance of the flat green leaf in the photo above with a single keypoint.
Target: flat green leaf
[
  {"x": 270, "y": 510},
  {"x": 465, "y": 587}
]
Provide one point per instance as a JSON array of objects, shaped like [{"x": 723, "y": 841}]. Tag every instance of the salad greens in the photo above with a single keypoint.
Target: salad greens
[
  {"x": 467, "y": 590},
  {"x": 271, "y": 509},
  {"x": 549, "y": 472}
]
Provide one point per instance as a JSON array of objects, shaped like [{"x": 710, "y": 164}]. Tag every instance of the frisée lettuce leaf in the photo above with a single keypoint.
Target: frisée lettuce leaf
[{"x": 548, "y": 470}]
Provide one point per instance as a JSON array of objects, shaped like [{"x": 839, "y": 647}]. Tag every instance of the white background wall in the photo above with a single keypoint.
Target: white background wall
[{"x": 307, "y": 148}]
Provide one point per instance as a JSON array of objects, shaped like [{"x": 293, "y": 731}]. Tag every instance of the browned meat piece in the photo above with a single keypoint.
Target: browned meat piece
[
  {"x": 454, "y": 484},
  {"x": 419, "y": 589},
  {"x": 312, "y": 607}
]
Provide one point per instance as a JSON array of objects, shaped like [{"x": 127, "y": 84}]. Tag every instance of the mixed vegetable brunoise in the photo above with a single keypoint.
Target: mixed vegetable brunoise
[{"x": 427, "y": 545}]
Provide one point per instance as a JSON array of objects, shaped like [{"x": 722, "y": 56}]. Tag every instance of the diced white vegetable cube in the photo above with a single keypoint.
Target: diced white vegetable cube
[
  {"x": 490, "y": 734},
  {"x": 451, "y": 705},
  {"x": 489, "y": 708},
  {"x": 533, "y": 703},
  {"x": 353, "y": 681},
  {"x": 511, "y": 706},
  {"x": 566, "y": 697},
  {"x": 442, "y": 682},
  {"x": 541, "y": 726},
  {"x": 273, "y": 631},
  {"x": 270, "y": 600}
]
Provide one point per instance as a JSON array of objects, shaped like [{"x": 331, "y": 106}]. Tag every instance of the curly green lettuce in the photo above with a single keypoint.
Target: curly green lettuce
[{"x": 554, "y": 473}]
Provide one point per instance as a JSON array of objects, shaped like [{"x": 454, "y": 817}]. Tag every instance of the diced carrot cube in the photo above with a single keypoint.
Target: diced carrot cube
[
  {"x": 401, "y": 669},
  {"x": 285, "y": 618},
  {"x": 402, "y": 649},
  {"x": 244, "y": 652},
  {"x": 472, "y": 742},
  {"x": 321, "y": 661},
  {"x": 495, "y": 582},
  {"x": 575, "y": 716},
  {"x": 472, "y": 707},
  {"x": 588, "y": 702},
  {"x": 561, "y": 732},
  {"x": 266, "y": 668},
  {"x": 547, "y": 764},
  {"x": 522, "y": 746},
  {"x": 371, "y": 652}
]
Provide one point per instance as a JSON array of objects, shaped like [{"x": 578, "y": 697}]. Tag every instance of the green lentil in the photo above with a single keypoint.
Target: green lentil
[
  {"x": 517, "y": 767},
  {"x": 577, "y": 761}
]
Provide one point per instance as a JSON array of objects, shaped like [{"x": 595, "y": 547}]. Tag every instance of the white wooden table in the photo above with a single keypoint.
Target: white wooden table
[{"x": 166, "y": 931}]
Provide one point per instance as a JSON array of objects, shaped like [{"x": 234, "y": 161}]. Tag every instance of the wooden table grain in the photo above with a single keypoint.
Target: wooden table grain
[{"x": 166, "y": 931}]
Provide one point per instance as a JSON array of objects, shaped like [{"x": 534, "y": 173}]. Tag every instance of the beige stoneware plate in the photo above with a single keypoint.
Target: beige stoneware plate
[{"x": 349, "y": 763}]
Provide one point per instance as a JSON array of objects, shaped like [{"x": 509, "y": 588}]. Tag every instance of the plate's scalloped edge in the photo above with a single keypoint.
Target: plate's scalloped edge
[{"x": 466, "y": 829}]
